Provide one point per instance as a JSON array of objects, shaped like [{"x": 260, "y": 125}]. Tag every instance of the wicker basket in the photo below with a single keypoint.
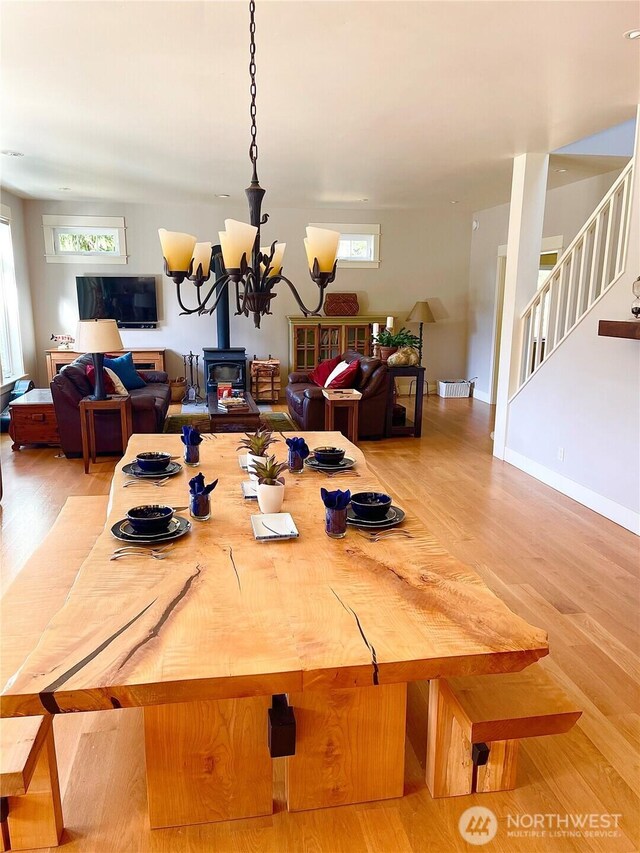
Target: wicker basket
[
  {"x": 341, "y": 304},
  {"x": 460, "y": 388},
  {"x": 178, "y": 388}
]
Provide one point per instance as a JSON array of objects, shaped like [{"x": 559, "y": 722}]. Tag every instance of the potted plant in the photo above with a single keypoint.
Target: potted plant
[
  {"x": 257, "y": 446},
  {"x": 390, "y": 341},
  {"x": 270, "y": 487}
]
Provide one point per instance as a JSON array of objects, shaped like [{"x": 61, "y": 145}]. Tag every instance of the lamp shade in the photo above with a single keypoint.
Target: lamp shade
[
  {"x": 421, "y": 313},
  {"x": 236, "y": 241},
  {"x": 321, "y": 244},
  {"x": 98, "y": 336},
  {"x": 201, "y": 257},
  {"x": 177, "y": 249}
]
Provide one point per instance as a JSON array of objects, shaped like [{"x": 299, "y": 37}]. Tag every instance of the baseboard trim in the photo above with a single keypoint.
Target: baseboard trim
[
  {"x": 482, "y": 396},
  {"x": 621, "y": 515}
]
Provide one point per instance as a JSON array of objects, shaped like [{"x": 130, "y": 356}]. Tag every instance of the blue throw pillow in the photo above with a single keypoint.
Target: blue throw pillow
[{"x": 125, "y": 371}]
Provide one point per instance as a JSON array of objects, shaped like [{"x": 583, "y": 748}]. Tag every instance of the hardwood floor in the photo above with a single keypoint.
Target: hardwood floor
[{"x": 557, "y": 564}]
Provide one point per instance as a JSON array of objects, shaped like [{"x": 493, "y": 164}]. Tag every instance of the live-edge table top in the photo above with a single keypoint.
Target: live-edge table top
[{"x": 225, "y": 616}]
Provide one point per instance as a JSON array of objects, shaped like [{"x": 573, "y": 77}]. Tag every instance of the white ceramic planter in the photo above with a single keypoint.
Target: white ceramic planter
[
  {"x": 270, "y": 498},
  {"x": 251, "y": 458}
]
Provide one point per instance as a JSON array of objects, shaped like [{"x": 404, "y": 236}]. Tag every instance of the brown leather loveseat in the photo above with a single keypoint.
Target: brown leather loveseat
[
  {"x": 149, "y": 407},
  {"x": 306, "y": 403}
]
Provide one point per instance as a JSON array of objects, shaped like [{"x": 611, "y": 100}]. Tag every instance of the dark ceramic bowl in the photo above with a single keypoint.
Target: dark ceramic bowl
[
  {"x": 328, "y": 455},
  {"x": 370, "y": 506},
  {"x": 153, "y": 462},
  {"x": 151, "y": 518}
]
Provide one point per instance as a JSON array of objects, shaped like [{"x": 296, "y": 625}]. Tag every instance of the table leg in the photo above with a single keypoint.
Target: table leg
[
  {"x": 328, "y": 415},
  {"x": 85, "y": 438},
  {"x": 349, "y": 746},
  {"x": 208, "y": 761},
  {"x": 92, "y": 435},
  {"x": 354, "y": 422}
]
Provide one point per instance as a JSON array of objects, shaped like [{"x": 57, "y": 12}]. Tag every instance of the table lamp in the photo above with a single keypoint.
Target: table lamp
[
  {"x": 97, "y": 337},
  {"x": 421, "y": 313}
]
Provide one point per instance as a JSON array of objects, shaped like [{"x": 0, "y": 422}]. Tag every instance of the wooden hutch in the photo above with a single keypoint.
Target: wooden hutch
[{"x": 316, "y": 339}]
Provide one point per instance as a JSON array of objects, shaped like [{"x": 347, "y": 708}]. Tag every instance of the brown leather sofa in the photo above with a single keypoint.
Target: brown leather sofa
[
  {"x": 306, "y": 403},
  {"x": 149, "y": 407}
]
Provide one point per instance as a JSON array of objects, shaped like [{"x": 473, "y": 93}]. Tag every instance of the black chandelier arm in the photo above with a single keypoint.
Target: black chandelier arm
[
  {"x": 306, "y": 311},
  {"x": 202, "y": 303}
]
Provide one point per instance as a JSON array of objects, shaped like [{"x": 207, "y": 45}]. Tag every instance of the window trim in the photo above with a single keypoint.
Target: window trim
[
  {"x": 347, "y": 229},
  {"x": 51, "y": 222},
  {"x": 15, "y": 334}
]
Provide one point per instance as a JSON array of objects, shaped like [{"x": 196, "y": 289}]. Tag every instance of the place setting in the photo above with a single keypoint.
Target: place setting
[
  {"x": 371, "y": 514},
  {"x": 329, "y": 460},
  {"x": 152, "y": 466}
]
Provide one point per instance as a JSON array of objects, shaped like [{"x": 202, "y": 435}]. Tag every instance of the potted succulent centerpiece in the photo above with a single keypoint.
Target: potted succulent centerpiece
[
  {"x": 256, "y": 445},
  {"x": 270, "y": 487},
  {"x": 389, "y": 341}
]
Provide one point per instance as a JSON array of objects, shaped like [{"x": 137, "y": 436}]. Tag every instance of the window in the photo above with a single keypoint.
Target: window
[
  {"x": 77, "y": 239},
  {"x": 11, "y": 363},
  {"x": 359, "y": 246}
]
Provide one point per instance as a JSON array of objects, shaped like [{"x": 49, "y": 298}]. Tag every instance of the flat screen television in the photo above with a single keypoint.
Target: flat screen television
[{"x": 130, "y": 300}]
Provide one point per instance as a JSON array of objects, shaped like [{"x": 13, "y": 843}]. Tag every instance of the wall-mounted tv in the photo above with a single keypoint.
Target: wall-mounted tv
[{"x": 129, "y": 300}]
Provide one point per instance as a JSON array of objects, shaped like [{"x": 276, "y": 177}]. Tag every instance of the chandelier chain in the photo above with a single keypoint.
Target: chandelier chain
[{"x": 253, "y": 147}]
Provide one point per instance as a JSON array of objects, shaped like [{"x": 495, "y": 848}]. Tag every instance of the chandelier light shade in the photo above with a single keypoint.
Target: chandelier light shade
[
  {"x": 177, "y": 249},
  {"x": 321, "y": 245},
  {"x": 201, "y": 262},
  {"x": 253, "y": 270}
]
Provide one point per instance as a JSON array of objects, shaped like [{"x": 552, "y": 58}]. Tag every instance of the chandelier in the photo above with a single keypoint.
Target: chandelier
[{"x": 254, "y": 270}]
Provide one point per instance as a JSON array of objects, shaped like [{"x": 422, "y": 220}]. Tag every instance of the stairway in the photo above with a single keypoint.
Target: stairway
[{"x": 592, "y": 263}]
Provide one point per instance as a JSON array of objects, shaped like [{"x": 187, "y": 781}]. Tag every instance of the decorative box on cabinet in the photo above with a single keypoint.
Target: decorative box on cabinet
[
  {"x": 144, "y": 358},
  {"x": 316, "y": 339}
]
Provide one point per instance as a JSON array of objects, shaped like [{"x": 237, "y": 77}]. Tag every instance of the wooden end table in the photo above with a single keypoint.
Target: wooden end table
[
  {"x": 33, "y": 419},
  {"x": 88, "y": 408},
  {"x": 348, "y": 399},
  {"x": 414, "y": 429}
]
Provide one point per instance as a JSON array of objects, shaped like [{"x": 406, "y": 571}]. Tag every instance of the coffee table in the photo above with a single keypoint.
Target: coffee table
[{"x": 233, "y": 421}]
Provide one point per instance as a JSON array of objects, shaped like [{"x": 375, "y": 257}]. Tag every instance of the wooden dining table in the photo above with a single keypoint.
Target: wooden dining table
[{"x": 204, "y": 639}]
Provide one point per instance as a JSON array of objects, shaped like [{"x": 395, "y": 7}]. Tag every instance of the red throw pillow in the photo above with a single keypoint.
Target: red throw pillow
[
  {"x": 347, "y": 378},
  {"x": 109, "y": 387},
  {"x": 320, "y": 374}
]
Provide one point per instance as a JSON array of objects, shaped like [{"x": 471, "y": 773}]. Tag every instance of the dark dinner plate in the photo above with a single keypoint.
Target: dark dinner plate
[
  {"x": 135, "y": 470},
  {"x": 178, "y": 526},
  {"x": 394, "y": 516},
  {"x": 346, "y": 463}
]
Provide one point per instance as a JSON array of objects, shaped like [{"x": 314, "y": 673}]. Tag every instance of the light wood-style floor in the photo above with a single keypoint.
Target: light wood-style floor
[{"x": 554, "y": 562}]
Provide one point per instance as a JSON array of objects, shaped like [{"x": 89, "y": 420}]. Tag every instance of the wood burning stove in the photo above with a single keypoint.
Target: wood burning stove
[{"x": 225, "y": 364}]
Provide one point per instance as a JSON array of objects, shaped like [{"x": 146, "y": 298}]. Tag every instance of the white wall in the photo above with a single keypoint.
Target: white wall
[
  {"x": 27, "y": 337},
  {"x": 586, "y": 400},
  {"x": 566, "y": 210},
  {"x": 423, "y": 256}
]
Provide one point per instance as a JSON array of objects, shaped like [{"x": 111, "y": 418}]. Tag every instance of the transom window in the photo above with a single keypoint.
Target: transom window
[
  {"x": 359, "y": 246},
  {"x": 73, "y": 239}
]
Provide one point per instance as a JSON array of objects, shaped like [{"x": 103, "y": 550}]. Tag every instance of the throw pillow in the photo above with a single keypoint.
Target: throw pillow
[
  {"x": 320, "y": 373},
  {"x": 107, "y": 380},
  {"x": 119, "y": 388},
  {"x": 343, "y": 375},
  {"x": 126, "y": 372}
]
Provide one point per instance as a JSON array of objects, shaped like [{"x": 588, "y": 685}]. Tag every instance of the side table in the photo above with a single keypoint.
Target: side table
[
  {"x": 88, "y": 408},
  {"x": 415, "y": 428},
  {"x": 348, "y": 399}
]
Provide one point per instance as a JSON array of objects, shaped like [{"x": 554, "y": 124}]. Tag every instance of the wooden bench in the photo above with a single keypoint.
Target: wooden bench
[
  {"x": 475, "y": 724},
  {"x": 31, "y": 811}
]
